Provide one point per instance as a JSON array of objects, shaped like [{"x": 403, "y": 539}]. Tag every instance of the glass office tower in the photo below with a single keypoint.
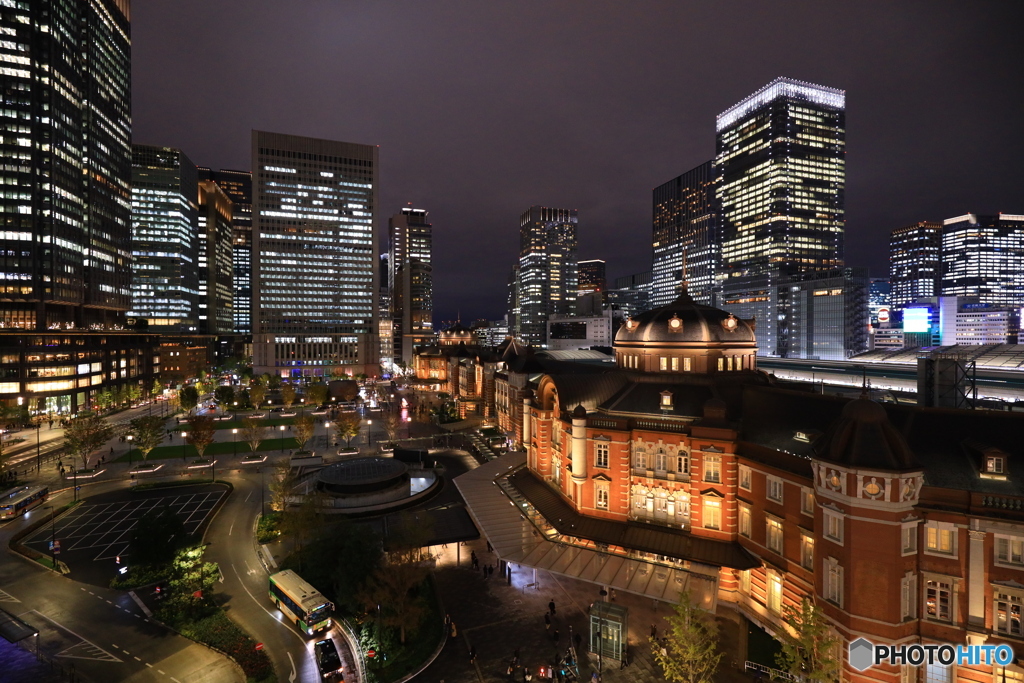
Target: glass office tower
[
  {"x": 411, "y": 277},
  {"x": 216, "y": 291},
  {"x": 66, "y": 147},
  {"x": 915, "y": 263},
  {"x": 237, "y": 185},
  {"x": 165, "y": 240},
  {"x": 686, "y": 234},
  {"x": 314, "y": 256},
  {"x": 547, "y": 280},
  {"x": 781, "y": 166},
  {"x": 983, "y": 257}
]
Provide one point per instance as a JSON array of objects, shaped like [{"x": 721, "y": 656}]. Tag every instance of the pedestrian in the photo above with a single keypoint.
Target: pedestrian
[
  {"x": 551, "y": 607},
  {"x": 490, "y": 570},
  {"x": 472, "y": 654},
  {"x": 527, "y": 676},
  {"x": 111, "y": 450},
  {"x": 455, "y": 631},
  {"x": 547, "y": 621},
  {"x": 60, "y": 463},
  {"x": 447, "y": 619},
  {"x": 654, "y": 632},
  {"x": 594, "y": 678}
]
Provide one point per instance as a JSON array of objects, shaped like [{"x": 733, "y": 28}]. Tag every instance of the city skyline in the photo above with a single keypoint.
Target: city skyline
[{"x": 611, "y": 136}]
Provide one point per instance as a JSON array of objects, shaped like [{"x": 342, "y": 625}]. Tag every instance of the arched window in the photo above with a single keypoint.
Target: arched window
[
  {"x": 682, "y": 462},
  {"x": 660, "y": 461},
  {"x": 639, "y": 457}
]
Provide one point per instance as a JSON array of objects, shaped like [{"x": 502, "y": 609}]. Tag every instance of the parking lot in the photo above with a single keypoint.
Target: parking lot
[{"x": 95, "y": 534}]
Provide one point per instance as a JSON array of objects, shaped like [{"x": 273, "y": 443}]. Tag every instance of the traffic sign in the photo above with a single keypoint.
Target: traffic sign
[
  {"x": 259, "y": 646},
  {"x": 371, "y": 653}
]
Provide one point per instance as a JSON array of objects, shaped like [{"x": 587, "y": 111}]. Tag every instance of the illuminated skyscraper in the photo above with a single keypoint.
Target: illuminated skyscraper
[
  {"x": 411, "y": 277},
  {"x": 547, "y": 279},
  {"x": 165, "y": 240},
  {"x": 592, "y": 277},
  {"x": 314, "y": 256},
  {"x": 66, "y": 147},
  {"x": 915, "y": 263},
  {"x": 781, "y": 165},
  {"x": 686, "y": 229},
  {"x": 983, "y": 257},
  {"x": 237, "y": 185},
  {"x": 216, "y": 291}
]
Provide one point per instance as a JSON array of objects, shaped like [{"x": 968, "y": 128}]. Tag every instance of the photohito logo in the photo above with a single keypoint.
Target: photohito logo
[{"x": 864, "y": 654}]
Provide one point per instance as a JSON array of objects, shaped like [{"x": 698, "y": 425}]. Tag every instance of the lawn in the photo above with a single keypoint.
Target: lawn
[
  {"x": 240, "y": 424},
  {"x": 218, "y": 448}
]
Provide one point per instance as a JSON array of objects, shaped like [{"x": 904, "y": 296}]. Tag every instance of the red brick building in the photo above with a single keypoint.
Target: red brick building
[{"x": 906, "y": 525}]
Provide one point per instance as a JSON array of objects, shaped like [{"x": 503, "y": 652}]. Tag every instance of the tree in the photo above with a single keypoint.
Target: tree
[
  {"x": 254, "y": 432},
  {"x": 691, "y": 654},
  {"x": 257, "y": 392},
  {"x": 281, "y": 482},
  {"x": 147, "y": 433},
  {"x": 288, "y": 395},
  {"x": 191, "y": 580},
  {"x": 302, "y": 430},
  {"x": 203, "y": 385},
  {"x": 119, "y": 395},
  {"x": 348, "y": 390},
  {"x": 133, "y": 393},
  {"x": 316, "y": 394},
  {"x": 304, "y": 522},
  {"x": 224, "y": 394},
  {"x": 86, "y": 433},
  {"x": 200, "y": 433},
  {"x": 347, "y": 427},
  {"x": 189, "y": 398},
  {"x": 156, "y": 389},
  {"x": 392, "y": 421},
  {"x": 809, "y": 646},
  {"x": 395, "y": 586},
  {"x": 274, "y": 382},
  {"x": 104, "y": 399}
]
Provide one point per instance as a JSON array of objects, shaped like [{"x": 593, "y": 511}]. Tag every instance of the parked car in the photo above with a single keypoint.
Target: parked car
[{"x": 327, "y": 659}]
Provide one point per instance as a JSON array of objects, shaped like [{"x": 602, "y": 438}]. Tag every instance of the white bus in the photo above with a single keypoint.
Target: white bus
[
  {"x": 300, "y": 602},
  {"x": 21, "y": 500}
]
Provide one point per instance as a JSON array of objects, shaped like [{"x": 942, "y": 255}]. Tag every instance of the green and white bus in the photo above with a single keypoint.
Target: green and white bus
[{"x": 300, "y": 602}]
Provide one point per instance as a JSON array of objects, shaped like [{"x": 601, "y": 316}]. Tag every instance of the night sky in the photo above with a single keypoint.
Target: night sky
[{"x": 482, "y": 108}]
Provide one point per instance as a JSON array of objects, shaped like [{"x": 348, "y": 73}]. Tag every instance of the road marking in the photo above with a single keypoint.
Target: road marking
[
  {"x": 291, "y": 679},
  {"x": 221, "y": 574},
  {"x": 175, "y": 679},
  {"x": 7, "y": 597},
  {"x": 161, "y": 672},
  {"x": 116, "y": 647},
  {"x": 91, "y": 649},
  {"x": 247, "y": 497},
  {"x": 231, "y": 528},
  {"x": 137, "y": 659},
  {"x": 149, "y": 665}
]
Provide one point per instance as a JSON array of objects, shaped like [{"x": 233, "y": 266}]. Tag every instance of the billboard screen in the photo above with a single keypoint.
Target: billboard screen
[{"x": 916, "y": 320}]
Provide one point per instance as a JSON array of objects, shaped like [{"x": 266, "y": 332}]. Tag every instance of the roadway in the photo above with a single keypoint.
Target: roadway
[{"x": 1005, "y": 385}]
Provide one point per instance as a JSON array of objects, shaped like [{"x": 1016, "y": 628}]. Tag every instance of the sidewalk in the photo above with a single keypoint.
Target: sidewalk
[{"x": 497, "y": 618}]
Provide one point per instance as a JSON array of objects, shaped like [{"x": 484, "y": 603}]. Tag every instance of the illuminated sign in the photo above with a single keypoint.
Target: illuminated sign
[
  {"x": 883, "y": 315},
  {"x": 917, "y": 320}
]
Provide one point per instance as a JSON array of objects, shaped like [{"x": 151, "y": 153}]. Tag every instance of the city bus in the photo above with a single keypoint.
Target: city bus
[
  {"x": 300, "y": 602},
  {"x": 21, "y": 500}
]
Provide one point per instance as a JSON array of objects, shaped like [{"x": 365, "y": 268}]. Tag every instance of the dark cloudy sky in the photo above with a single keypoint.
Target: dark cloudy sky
[{"x": 482, "y": 108}]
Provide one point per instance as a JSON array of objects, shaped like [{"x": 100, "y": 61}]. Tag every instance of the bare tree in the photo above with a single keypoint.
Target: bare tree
[
  {"x": 392, "y": 421},
  {"x": 201, "y": 432}
]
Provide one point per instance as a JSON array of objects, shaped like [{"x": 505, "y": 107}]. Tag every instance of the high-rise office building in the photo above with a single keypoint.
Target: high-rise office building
[
  {"x": 237, "y": 185},
  {"x": 314, "y": 256},
  {"x": 65, "y": 139},
  {"x": 983, "y": 257},
  {"x": 915, "y": 263},
  {"x": 686, "y": 237},
  {"x": 879, "y": 292},
  {"x": 66, "y": 145},
  {"x": 827, "y": 313},
  {"x": 631, "y": 294},
  {"x": 410, "y": 271},
  {"x": 592, "y": 278},
  {"x": 780, "y": 161},
  {"x": 547, "y": 280},
  {"x": 216, "y": 234},
  {"x": 165, "y": 240}
]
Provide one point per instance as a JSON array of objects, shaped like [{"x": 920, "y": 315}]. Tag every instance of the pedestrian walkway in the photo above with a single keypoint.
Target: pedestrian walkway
[{"x": 497, "y": 617}]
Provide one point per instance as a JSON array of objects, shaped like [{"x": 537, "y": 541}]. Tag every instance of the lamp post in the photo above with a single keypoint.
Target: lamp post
[
  {"x": 39, "y": 462},
  {"x": 130, "y": 438},
  {"x": 600, "y": 636},
  {"x": 53, "y": 549},
  {"x": 282, "y": 439},
  {"x": 235, "y": 449},
  {"x": 184, "y": 436},
  {"x": 369, "y": 432},
  {"x": 263, "y": 487}
]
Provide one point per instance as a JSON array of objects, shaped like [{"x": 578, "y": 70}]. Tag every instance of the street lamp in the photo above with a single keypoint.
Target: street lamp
[
  {"x": 282, "y": 439},
  {"x": 39, "y": 462},
  {"x": 235, "y": 432},
  {"x": 53, "y": 548},
  {"x": 369, "y": 432},
  {"x": 184, "y": 436},
  {"x": 130, "y": 438}
]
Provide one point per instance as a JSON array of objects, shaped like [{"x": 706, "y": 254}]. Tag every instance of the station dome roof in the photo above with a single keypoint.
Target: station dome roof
[{"x": 685, "y": 320}]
